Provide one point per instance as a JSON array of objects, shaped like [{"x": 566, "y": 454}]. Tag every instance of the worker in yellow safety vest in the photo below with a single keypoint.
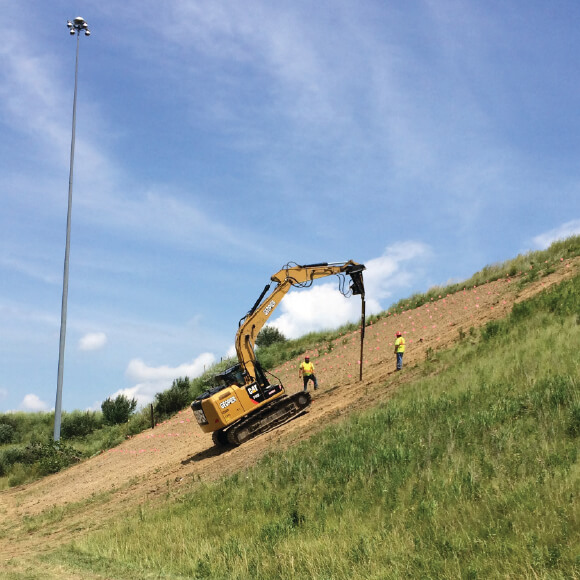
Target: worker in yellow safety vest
[
  {"x": 399, "y": 349},
  {"x": 306, "y": 373}
]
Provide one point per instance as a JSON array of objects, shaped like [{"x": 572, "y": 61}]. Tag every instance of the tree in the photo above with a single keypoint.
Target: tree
[
  {"x": 79, "y": 424},
  {"x": 173, "y": 399},
  {"x": 269, "y": 335},
  {"x": 118, "y": 410}
]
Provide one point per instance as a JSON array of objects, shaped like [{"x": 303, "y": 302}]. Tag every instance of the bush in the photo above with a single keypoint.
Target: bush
[
  {"x": 6, "y": 433},
  {"x": 52, "y": 456},
  {"x": 8, "y": 457},
  {"x": 269, "y": 335},
  {"x": 79, "y": 424},
  {"x": 139, "y": 421},
  {"x": 493, "y": 328},
  {"x": 12, "y": 455},
  {"x": 574, "y": 421},
  {"x": 174, "y": 399},
  {"x": 118, "y": 410}
]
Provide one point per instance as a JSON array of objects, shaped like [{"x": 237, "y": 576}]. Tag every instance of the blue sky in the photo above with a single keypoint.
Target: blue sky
[{"x": 218, "y": 140}]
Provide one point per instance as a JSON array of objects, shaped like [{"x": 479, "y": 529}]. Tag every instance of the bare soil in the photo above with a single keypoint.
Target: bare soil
[{"x": 175, "y": 456}]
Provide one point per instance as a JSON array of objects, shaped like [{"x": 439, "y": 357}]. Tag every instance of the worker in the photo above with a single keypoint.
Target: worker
[
  {"x": 399, "y": 349},
  {"x": 306, "y": 373}
]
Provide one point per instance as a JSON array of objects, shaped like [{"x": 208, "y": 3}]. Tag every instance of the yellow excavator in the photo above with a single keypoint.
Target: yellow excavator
[{"x": 244, "y": 403}]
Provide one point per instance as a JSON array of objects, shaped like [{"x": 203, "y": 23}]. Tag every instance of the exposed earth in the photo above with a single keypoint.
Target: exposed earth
[{"x": 176, "y": 455}]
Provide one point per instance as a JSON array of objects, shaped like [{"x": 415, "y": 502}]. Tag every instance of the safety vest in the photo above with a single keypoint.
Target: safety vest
[
  {"x": 400, "y": 344},
  {"x": 307, "y": 368}
]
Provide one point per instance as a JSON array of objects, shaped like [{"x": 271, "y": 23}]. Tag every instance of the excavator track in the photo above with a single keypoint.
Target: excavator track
[{"x": 270, "y": 417}]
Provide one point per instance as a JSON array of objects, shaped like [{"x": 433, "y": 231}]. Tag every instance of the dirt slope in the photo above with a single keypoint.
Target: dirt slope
[{"x": 176, "y": 454}]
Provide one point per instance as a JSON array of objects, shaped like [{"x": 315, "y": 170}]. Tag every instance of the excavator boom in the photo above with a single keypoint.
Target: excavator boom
[{"x": 286, "y": 278}]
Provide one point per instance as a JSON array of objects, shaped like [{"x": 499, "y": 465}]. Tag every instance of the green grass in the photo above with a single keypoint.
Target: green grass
[{"x": 469, "y": 472}]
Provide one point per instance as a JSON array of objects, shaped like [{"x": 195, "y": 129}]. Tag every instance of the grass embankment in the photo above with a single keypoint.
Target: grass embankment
[
  {"x": 27, "y": 451},
  {"x": 469, "y": 472}
]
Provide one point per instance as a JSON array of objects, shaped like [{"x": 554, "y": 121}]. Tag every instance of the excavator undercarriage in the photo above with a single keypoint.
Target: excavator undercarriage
[{"x": 275, "y": 414}]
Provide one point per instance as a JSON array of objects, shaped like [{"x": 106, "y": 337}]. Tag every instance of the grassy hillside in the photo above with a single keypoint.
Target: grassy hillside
[
  {"x": 27, "y": 451},
  {"x": 469, "y": 472}
]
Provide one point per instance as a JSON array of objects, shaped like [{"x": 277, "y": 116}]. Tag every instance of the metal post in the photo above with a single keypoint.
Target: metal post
[
  {"x": 75, "y": 27},
  {"x": 362, "y": 336}
]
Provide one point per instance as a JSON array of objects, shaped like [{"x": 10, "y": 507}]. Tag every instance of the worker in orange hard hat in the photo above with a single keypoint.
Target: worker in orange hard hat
[
  {"x": 399, "y": 349},
  {"x": 306, "y": 373}
]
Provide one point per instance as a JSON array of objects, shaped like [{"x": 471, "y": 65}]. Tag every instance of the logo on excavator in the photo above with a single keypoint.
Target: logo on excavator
[
  {"x": 270, "y": 307},
  {"x": 225, "y": 404}
]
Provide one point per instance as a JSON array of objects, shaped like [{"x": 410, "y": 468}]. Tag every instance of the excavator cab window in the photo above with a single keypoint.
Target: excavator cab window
[{"x": 232, "y": 376}]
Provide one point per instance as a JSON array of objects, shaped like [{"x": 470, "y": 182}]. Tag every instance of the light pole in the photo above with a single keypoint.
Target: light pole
[{"x": 75, "y": 27}]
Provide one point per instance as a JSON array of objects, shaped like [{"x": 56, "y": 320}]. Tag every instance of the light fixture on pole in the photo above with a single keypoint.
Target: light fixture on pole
[{"x": 77, "y": 26}]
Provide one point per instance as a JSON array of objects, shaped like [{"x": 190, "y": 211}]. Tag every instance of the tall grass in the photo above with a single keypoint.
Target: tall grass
[
  {"x": 469, "y": 473},
  {"x": 528, "y": 267}
]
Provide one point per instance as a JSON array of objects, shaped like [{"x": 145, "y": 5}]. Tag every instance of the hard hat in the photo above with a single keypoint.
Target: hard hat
[
  {"x": 306, "y": 358},
  {"x": 398, "y": 333}
]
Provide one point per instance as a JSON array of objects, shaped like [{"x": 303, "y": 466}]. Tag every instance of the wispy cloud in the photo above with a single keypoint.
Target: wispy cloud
[
  {"x": 30, "y": 99},
  {"x": 571, "y": 228},
  {"x": 33, "y": 265},
  {"x": 33, "y": 96},
  {"x": 160, "y": 214}
]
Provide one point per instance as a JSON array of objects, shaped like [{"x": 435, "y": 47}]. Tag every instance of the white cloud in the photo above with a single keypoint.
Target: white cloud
[
  {"x": 319, "y": 308},
  {"x": 93, "y": 341},
  {"x": 152, "y": 380},
  {"x": 33, "y": 403},
  {"x": 571, "y": 228},
  {"x": 386, "y": 274},
  {"x": 323, "y": 307}
]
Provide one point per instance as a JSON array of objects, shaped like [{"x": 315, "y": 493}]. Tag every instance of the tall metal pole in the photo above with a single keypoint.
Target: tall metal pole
[{"x": 75, "y": 27}]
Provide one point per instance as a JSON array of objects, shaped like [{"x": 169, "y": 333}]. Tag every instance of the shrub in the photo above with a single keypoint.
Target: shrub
[
  {"x": 116, "y": 411},
  {"x": 6, "y": 433},
  {"x": 269, "y": 335},
  {"x": 139, "y": 421},
  {"x": 174, "y": 399},
  {"x": 52, "y": 456},
  {"x": 574, "y": 421},
  {"x": 9, "y": 456},
  {"x": 79, "y": 424},
  {"x": 12, "y": 455},
  {"x": 493, "y": 328}
]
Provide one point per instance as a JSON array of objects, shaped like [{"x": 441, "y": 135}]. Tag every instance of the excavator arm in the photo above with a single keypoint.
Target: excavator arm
[{"x": 289, "y": 276}]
